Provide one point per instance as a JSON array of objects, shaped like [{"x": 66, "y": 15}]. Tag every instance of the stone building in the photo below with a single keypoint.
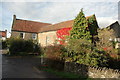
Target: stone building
[
  {"x": 44, "y": 33},
  {"x": 116, "y": 27},
  {"x": 26, "y": 29}
]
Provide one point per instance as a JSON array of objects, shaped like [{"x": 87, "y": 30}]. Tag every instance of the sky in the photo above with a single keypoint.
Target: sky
[{"x": 55, "y": 12}]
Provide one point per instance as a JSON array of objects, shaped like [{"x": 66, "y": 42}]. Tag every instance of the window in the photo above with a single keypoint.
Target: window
[
  {"x": 117, "y": 39},
  {"x": 34, "y": 36},
  {"x": 22, "y": 35},
  {"x": 47, "y": 40}
]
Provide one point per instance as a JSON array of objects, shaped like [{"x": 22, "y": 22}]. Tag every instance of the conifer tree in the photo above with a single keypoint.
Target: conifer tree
[{"x": 80, "y": 28}]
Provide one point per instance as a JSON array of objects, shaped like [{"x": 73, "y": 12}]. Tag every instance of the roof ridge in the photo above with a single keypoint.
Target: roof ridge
[
  {"x": 61, "y": 22},
  {"x": 69, "y": 20},
  {"x": 32, "y": 21}
]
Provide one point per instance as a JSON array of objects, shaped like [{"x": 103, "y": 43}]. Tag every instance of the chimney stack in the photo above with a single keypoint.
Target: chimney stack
[{"x": 14, "y": 17}]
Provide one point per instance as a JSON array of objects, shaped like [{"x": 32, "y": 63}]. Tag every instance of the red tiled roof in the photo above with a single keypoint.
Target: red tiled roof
[
  {"x": 32, "y": 26},
  {"x": 60, "y": 25},
  {"x": 57, "y": 26},
  {"x": 3, "y": 33},
  {"x": 28, "y": 26}
]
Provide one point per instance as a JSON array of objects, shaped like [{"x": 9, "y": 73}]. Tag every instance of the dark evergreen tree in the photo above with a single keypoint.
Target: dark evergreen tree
[
  {"x": 93, "y": 26},
  {"x": 80, "y": 28}
]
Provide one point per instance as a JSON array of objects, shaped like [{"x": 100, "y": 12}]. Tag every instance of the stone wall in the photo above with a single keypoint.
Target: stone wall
[
  {"x": 16, "y": 34},
  {"x": 47, "y": 38},
  {"x": 44, "y": 38},
  {"x": 92, "y": 72}
]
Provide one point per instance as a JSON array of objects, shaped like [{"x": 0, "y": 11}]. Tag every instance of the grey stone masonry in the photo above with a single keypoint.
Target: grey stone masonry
[{"x": 92, "y": 72}]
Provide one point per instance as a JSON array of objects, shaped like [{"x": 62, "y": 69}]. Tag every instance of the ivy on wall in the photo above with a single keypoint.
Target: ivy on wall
[{"x": 62, "y": 33}]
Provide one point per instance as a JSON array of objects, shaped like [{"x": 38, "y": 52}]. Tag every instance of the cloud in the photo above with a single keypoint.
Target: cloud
[
  {"x": 54, "y": 12},
  {"x": 119, "y": 11},
  {"x": 59, "y": 1},
  {"x": 105, "y": 21}
]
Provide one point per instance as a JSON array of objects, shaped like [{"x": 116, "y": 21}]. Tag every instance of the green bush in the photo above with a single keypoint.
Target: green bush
[
  {"x": 82, "y": 51},
  {"x": 81, "y": 43},
  {"x": 22, "y": 47},
  {"x": 3, "y": 44}
]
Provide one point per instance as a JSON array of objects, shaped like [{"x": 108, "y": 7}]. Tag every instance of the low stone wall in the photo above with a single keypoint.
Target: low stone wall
[{"x": 92, "y": 72}]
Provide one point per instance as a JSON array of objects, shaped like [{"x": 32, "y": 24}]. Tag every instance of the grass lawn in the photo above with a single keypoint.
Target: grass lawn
[{"x": 61, "y": 74}]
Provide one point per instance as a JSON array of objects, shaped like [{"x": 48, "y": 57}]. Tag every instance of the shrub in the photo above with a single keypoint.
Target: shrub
[
  {"x": 114, "y": 63},
  {"x": 54, "y": 52},
  {"x": 104, "y": 36},
  {"x": 82, "y": 51},
  {"x": 54, "y": 57},
  {"x": 3, "y": 44},
  {"x": 20, "y": 46}
]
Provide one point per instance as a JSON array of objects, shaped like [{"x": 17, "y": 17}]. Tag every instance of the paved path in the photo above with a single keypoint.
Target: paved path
[{"x": 22, "y": 67}]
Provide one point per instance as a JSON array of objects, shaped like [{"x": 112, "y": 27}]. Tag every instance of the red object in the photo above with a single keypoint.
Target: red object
[
  {"x": 33, "y": 26},
  {"x": 105, "y": 49},
  {"x": 61, "y": 33},
  {"x": 3, "y": 33}
]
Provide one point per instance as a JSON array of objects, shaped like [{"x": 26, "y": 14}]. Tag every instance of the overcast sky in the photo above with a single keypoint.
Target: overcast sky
[{"x": 55, "y": 12}]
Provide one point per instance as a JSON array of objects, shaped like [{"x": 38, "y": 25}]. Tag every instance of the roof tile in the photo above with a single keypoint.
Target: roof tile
[{"x": 28, "y": 26}]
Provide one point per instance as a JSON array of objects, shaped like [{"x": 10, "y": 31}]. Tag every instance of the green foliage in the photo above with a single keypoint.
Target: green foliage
[
  {"x": 62, "y": 74},
  {"x": 37, "y": 49},
  {"x": 19, "y": 46},
  {"x": 79, "y": 29},
  {"x": 80, "y": 51},
  {"x": 93, "y": 26},
  {"x": 3, "y": 44},
  {"x": 80, "y": 48},
  {"x": 54, "y": 52},
  {"x": 104, "y": 36}
]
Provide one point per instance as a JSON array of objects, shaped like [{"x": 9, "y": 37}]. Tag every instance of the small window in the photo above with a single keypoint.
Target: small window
[
  {"x": 34, "y": 36},
  {"x": 22, "y": 35},
  {"x": 117, "y": 39},
  {"x": 47, "y": 40}
]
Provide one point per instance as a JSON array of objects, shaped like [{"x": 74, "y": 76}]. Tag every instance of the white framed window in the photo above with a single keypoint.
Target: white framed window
[
  {"x": 22, "y": 35},
  {"x": 34, "y": 36}
]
